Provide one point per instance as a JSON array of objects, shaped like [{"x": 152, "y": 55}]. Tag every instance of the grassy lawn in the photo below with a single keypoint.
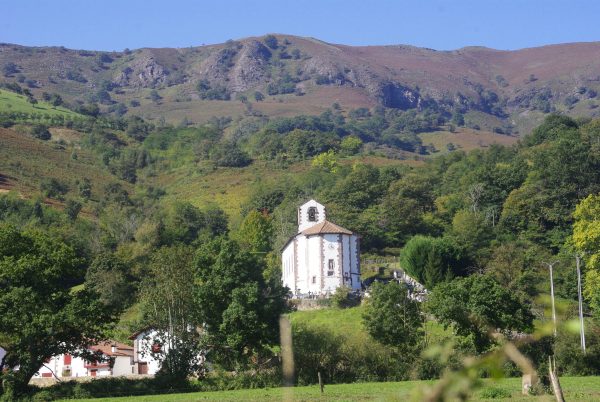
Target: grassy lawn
[{"x": 575, "y": 388}]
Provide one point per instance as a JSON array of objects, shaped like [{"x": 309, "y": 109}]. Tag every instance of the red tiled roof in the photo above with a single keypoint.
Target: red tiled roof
[
  {"x": 325, "y": 227},
  {"x": 120, "y": 349}
]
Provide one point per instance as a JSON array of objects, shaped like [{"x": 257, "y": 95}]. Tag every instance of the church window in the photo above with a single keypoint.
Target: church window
[
  {"x": 330, "y": 267},
  {"x": 312, "y": 214},
  {"x": 314, "y": 279}
]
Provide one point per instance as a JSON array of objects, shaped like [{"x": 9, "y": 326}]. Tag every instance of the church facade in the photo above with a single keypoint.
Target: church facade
[{"x": 322, "y": 256}]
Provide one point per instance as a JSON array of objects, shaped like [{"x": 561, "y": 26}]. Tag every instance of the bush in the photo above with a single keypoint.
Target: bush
[
  {"x": 271, "y": 41},
  {"x": 53, "y": 188},
  {"x": 41, "y": 132},
  {"x": 344, "y": 298},
  {"x": 495, "y": 393}
]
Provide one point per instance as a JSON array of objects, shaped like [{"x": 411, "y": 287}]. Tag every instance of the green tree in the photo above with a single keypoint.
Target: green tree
[
  {"x": 41, "y": 132},
  {"x": 477, "y": 306},
  {"x": 392, "y": 318},
  {"x": 72, "y": 209},
  {"x": 256, "y": 232},
  {"x": 239, "y": 307},
  {"x": 327, "y": 161},
  {"x": 42, "y": 314},
  {"x": 432, "y": 260},
  {"x": 169, "y": 306},
  {"x": 350, "y": 145},
  {"x": 586, "y": 239},
  {"x": 109, "y": 277}
]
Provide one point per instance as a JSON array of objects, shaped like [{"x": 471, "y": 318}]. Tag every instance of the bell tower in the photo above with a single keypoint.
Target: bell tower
[{"x": 310, "y": 214}]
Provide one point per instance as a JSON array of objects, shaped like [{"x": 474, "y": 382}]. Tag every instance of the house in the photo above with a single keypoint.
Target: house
[
  {"x": 117, "y": 361},
  {"x": 145, "y": 347},
  {"x": 148, "y": 345},
  {"x": 321, "y": 257}
]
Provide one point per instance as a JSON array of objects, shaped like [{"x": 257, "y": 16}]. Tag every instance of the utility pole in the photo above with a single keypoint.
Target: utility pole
[
  {"x": 550, "y": 267},
  {"x": 581, "y": 328}
]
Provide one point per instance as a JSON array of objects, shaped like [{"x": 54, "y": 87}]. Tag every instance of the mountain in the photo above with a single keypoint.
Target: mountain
[{"x": 504, "y": 91}]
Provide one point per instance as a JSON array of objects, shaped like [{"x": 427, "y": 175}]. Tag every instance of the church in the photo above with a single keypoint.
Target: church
[{"x": 322, "y": 256}]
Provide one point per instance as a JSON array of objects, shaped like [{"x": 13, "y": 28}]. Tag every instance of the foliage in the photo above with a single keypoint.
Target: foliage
[
  {"x": 392, "y": 317},
  {"x": 169, "y": 307},
  {"x": 344, "y": 298},
  {"x": 477, "y": 305},
  {"x": 327, "y": 161},
  {"x": 42, "y": 316},
  {"x": 239, "y": 309},
  {"x": 432, "y": 260},
  {"x": 256, "y": 232},
  {"x": 41, "y": 132}
]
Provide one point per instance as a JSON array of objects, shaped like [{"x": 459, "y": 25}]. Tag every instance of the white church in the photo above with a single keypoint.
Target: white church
[{"x": 322, "y": 256}]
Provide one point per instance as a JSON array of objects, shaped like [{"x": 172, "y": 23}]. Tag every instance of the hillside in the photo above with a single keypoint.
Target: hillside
[{"x": 506, "y": 91}]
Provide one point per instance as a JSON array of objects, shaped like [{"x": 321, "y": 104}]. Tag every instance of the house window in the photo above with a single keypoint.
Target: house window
[
  {"x": 330, "y": 268},
  {"x": 312, "y": 214},
  {"x": 156, "y": 348},
  {"x": 314, "y": 279}
]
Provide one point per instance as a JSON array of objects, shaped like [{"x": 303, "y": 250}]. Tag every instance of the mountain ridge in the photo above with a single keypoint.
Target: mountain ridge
[{"x": 504, "y": 86}]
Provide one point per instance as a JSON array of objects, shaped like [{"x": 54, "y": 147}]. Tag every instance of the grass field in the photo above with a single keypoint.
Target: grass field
[
  {"x": 12, "y": 102},
  {"x": 464, "y": 139},
  {"x": 575, "y": 389}
]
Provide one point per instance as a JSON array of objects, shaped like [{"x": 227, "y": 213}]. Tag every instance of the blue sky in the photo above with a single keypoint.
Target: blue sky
[{"x": 437, "y": 24}]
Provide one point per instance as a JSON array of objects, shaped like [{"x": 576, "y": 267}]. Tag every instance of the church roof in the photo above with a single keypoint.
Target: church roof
[{"x": 325, "y": 227}]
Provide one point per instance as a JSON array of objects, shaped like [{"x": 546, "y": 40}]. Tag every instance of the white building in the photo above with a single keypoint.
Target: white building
[
  {"x": 145, "y": 348},
  {"x": 118, "y": 361},
  {"x": 149, "y": 346},
  {"x": 322, "y": 256}
]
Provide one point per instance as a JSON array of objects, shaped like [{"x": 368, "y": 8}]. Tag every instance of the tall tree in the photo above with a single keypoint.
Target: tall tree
[
  {"x": 169, "y": 307},
  {"x": 392, "y": 318},
  {"x": 239, "y": 307},
  {"x": 476, "y": 306},
  {"x": 42, "y": 314}
]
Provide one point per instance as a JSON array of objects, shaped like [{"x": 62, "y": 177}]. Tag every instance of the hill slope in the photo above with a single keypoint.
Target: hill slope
[{"x": 305, "y": 76}]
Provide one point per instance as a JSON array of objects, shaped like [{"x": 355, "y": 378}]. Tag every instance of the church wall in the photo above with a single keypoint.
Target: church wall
[
  {"x": 314, "y": 265},
  {"x": 287, "y": 260},
  {"x": 331, "y": 251}
]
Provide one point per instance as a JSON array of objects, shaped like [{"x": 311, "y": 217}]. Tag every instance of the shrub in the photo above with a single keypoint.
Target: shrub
[
  {"x": 344, "y": 298},
  {"x": 495, "y": 393},
  {"x": 41, "y": 132},
  {"x": 271, "y": 41}
]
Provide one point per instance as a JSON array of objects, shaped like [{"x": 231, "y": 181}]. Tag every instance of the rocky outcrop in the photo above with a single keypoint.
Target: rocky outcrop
[
  {"x": 251, "y": 68},
  {"x": 142, "y": 72}
]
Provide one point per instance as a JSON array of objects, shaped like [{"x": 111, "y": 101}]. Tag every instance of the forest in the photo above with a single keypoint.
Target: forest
[{"x": 475, "y": 228}]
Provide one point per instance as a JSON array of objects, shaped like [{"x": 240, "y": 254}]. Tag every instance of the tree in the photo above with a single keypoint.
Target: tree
[
  {"x": 258, "y": 96},
  {"x": 9, "y": 69},
  {"x": 326, "y": 161},
  {"x": 350, "y": 145},
  {"x": 256, "y": 232},
  {"x": 42, "y": 314},
  {"x": 168, "y": 306},
  {"x": 41, "y": 132},
  {"x": 72, "y": 209},
  {"x": 392, "y": 318},
  {"x": 586, "y": 239},
  {"x": 431, "y": 260},
  {"x": 239, "y": 307},
  {"x": 271, "y": 41},
  {"x": 476, "y": 306},
  {"x": 154, "y": 96},
  {"x": 110, "y": 278}
]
